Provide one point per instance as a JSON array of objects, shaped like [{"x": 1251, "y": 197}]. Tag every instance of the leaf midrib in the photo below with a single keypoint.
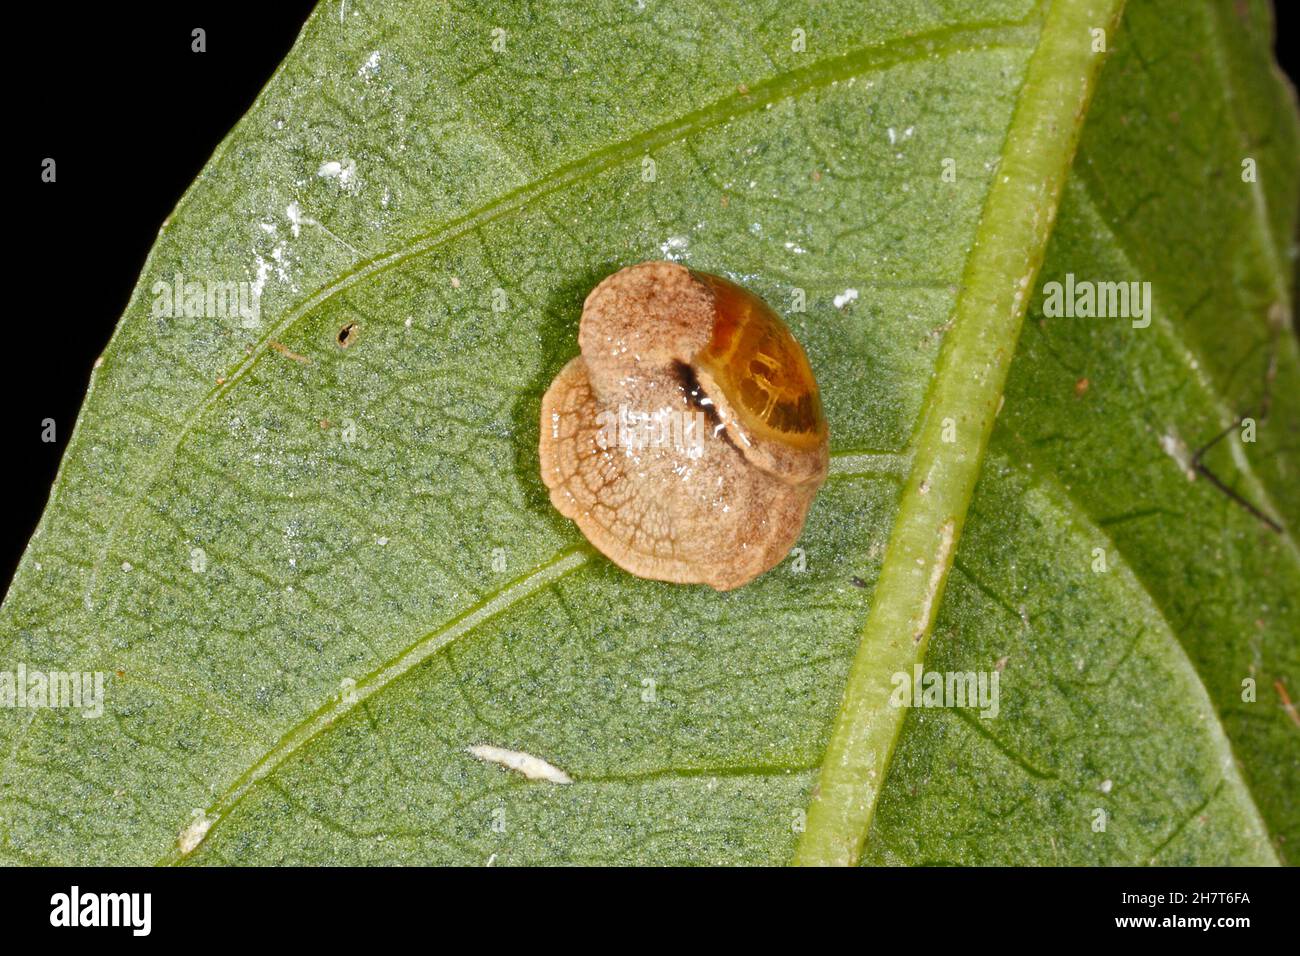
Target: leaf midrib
[
  {"x": 1008, "y": 249},
  {"x": 819, "y": 851}
]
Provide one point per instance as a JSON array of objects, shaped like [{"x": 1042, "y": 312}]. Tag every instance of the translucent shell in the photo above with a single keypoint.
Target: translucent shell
[{"x": 757, "y": 362}]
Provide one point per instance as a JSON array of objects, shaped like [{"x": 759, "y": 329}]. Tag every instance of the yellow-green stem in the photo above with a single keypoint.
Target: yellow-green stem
[{"x": 961, "y": 407}]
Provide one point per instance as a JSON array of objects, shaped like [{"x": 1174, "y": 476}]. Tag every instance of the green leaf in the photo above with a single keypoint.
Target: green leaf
[{"x": 316, "y": 574}]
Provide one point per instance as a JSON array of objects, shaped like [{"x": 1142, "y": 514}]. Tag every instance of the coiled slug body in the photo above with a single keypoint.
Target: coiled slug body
[{"x": 687, "y": 441}]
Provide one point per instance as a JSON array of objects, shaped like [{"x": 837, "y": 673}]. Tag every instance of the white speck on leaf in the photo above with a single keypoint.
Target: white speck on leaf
[
  {"x": 296, "y": 219},
  {"x": 194, "y": 833},
  {"x": 263, "y": 270},
  {"x": 938, "y": 569},
  {"x": 674, "y": 248},
  {"x": 370, "y": 67},
  {"x": 534, "y": 768},
  {"x": 1176, "y": 448},
  {"x": 344, "y": 172}
]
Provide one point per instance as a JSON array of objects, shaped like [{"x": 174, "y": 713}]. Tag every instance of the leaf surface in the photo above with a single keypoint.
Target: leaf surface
[{"x": 385, "y": 585}]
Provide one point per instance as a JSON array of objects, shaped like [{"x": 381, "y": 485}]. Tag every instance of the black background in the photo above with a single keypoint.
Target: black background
[
  {"x": 98, "y": 87},
  {"x": 78, "y": 82},
  {"x": 909, "y": 910}
]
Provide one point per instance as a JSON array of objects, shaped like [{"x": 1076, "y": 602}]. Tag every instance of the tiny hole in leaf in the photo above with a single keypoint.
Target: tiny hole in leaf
[{"x": 348, "y": 334}]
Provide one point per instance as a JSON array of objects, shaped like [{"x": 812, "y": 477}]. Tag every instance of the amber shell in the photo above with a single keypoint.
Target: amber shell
[{"x": 761, "y": 367}]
